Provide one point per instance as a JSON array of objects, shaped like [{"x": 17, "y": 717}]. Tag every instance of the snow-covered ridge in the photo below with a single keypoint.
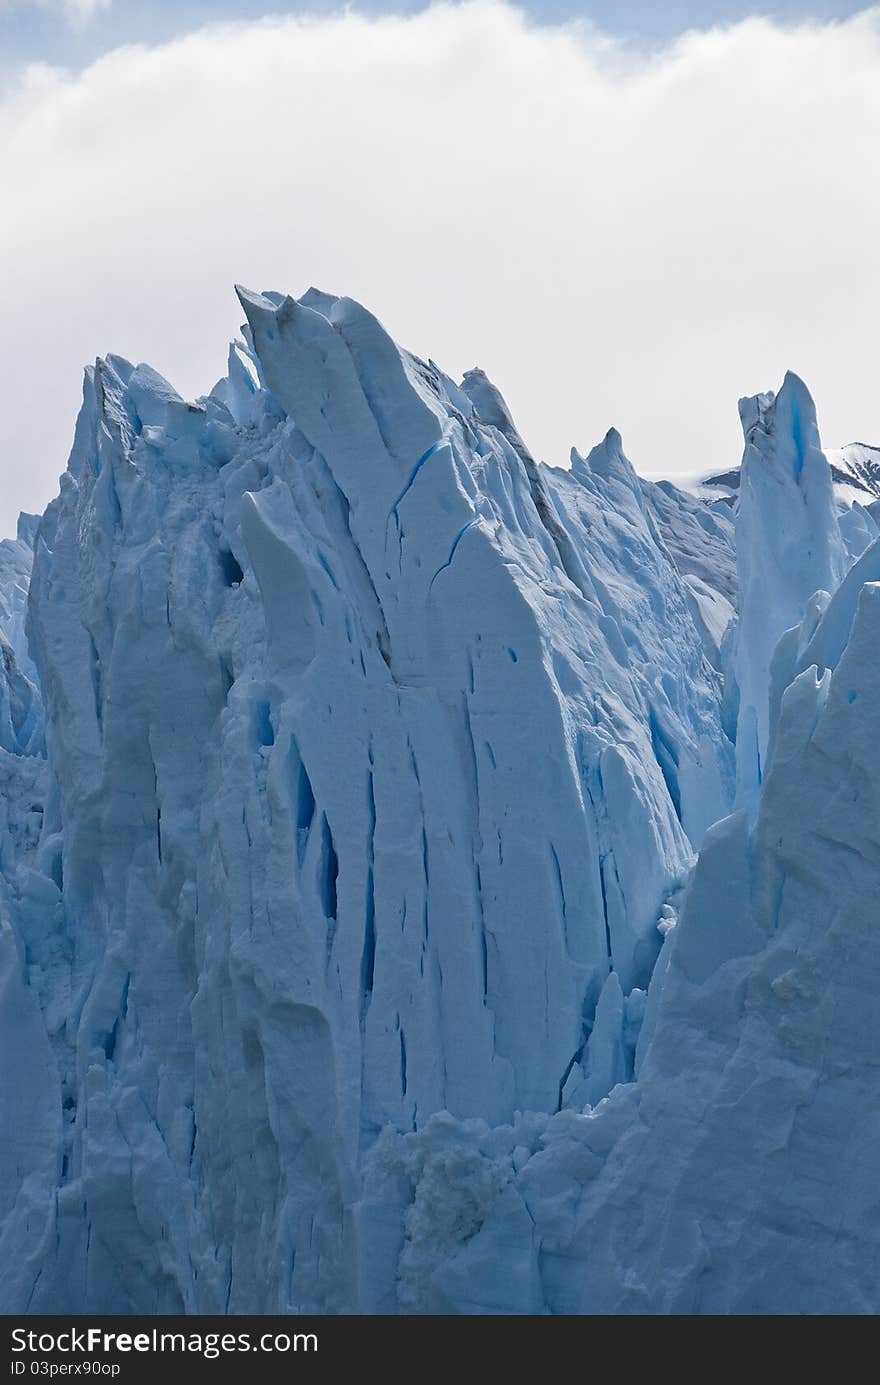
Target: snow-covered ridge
[{"x": 377, "y": 759}]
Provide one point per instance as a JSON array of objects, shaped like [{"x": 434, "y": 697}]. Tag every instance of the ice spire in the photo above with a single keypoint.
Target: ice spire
[{"x": 788, "y": 547}]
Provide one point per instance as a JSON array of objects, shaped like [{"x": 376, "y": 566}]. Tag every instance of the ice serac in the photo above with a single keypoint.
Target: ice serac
[
  {"x": 770, "y": 1205},
  {"x": 353, "y": 953},
  {"x": 788, "y": 547},
  {"x": 30, "y": 1103},
  {"x": 702, "y": 539},
  {"x": 737, "y": 1174},
  {"x": 702, "y": 542},
  {"x": 376, "y": 753},
  {"x": 21, "y": 715}
]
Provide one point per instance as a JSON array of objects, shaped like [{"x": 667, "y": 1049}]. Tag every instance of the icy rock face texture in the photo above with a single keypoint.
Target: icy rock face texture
[{"x": 376, "y": 753}]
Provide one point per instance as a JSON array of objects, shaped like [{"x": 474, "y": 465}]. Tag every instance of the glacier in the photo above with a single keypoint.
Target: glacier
[{"x": 432, "y": 881}]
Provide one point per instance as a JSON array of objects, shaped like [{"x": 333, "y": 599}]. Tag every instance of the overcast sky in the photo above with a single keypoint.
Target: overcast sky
[{"x": 622, "y": 222}]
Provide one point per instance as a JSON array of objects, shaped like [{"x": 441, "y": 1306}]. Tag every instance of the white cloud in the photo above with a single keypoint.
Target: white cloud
[
  {"x": 615, "y": 240},
  {"x": 76, "y": 11}
]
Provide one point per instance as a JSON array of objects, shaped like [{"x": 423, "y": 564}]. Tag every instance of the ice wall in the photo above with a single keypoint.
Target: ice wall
[
  {"x": 376, "y": 753},
  {"x": 353, "y": 954},
  {"x": 737, "y": 1175}
]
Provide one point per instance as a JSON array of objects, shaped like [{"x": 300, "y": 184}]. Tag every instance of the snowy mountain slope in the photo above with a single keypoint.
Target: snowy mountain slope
[
  {"x": 377, "y": 756},
  {"x": 374, "y": 751},
  {"x": 860, "y": 464}
]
